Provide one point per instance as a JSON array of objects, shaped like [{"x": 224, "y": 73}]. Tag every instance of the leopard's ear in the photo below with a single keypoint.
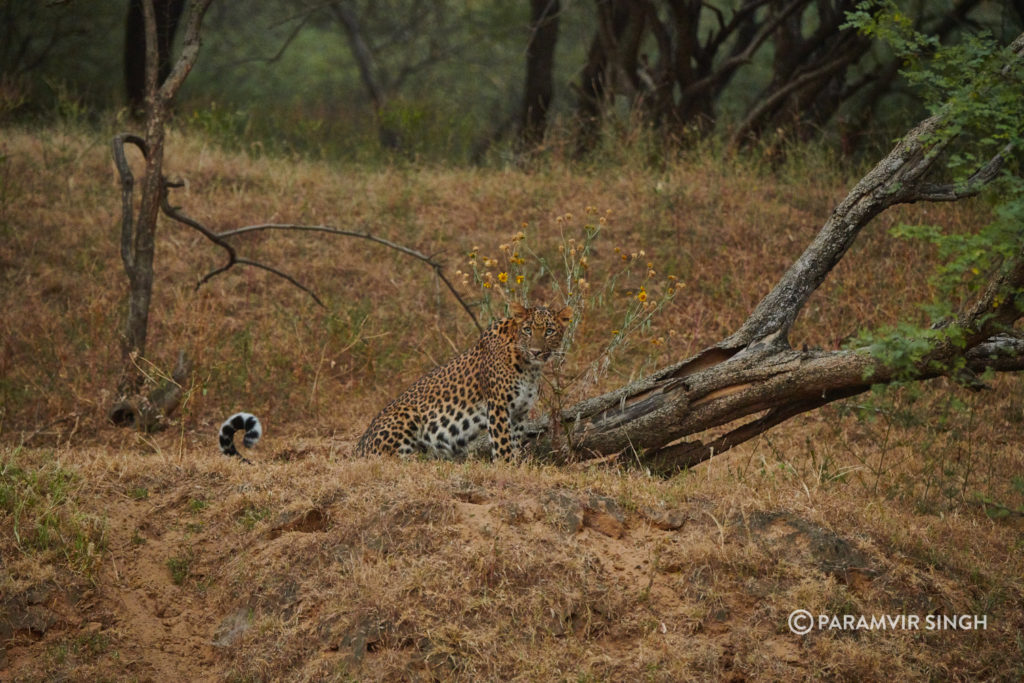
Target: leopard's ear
[
  {"x": 565, "y": 315},
  {"x": 518, "y": 312}
]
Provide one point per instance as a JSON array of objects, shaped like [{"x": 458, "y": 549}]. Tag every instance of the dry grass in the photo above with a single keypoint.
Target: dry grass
[{"x": 311, "y": 565}]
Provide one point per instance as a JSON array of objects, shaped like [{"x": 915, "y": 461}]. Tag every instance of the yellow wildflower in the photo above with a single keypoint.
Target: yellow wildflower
[{"x": 502, "y": 277}]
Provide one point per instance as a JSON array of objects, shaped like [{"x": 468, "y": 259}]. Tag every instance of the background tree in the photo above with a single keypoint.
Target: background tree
[
  {"x": 540, "y": 64},
  {"x": 673, "y": 62},
  {"x": 447, "y": 80},
  {"x": 167, "y": 14}
]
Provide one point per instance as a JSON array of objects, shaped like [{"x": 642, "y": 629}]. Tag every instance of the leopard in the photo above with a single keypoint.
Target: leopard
[
  {"x": 245, "y": 422},
  {"x": 490, "y": 388}
]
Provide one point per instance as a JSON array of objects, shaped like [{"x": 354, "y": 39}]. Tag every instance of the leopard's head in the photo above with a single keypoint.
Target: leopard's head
[{"x": 540, "y": 330}]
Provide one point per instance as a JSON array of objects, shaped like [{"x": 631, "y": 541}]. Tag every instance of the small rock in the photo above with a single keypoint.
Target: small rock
[
  {"x": 511, "y": 513},
  {"x": 36, "y": 619},
  {"x": 564, "y": 511},
  {"x": 666, "y": 520},
  {"x": 232, "y": 627},
  {"x": 38, "y": 595},
  {"x": 468, "y": 492},
  {"x": 604, "y": 514}
]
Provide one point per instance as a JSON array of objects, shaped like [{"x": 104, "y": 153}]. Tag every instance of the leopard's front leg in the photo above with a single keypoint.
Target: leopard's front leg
[{"x": 499, "y": 431}]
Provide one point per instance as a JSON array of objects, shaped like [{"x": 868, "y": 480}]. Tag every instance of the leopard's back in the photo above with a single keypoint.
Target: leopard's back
[
  {"x": 442, "y": 412},
  {"x": 490, "y": 387}
]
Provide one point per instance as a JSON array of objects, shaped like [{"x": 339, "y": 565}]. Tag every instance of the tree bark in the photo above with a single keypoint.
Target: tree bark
[
  {"x": 611, "y": 64},
  {"x": 167, "y": 14},
  {"x": 540, "y": 64}
]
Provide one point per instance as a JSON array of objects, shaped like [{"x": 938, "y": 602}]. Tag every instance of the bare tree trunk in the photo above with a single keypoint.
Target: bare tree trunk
[
  {"x": 540, "y": 63},
  {"x": 167, "y": 14},
  {"x": 611, "y": 65},
  {"x": 138, "y": 232},
  {"x": 365, "y": 62},
  {"x": 755, "y": 372}
]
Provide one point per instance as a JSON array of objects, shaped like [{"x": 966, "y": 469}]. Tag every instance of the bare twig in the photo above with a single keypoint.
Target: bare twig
[
  {"x": 438, "y": 268},
  {"x": 233, "y": 259},
  {"x": 220, "y": 239}
]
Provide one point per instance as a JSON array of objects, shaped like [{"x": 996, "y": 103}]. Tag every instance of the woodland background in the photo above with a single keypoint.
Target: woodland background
[{"x": 712, "y": 138}]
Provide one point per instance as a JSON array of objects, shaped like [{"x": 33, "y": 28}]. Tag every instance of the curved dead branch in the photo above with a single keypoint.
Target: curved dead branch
[
  {"x": 429, "y": 260},
  {"x": 220, "y": 239},
  {"x": 233, "y": 258},
  {"x": 127, "y": 193}
]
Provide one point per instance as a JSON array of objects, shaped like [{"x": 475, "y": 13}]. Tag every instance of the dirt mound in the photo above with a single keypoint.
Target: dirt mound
[{"x": 324, "y": 568}]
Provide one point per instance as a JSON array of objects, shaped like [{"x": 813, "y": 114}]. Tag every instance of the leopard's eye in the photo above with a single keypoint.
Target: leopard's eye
[{"x": 527, "y": 329}]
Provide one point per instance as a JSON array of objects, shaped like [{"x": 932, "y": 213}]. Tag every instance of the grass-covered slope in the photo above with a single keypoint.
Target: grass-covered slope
[{"x": 146, "y": 557}]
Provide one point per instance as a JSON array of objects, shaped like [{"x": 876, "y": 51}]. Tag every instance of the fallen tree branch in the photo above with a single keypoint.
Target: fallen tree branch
[{"x": 755, "y": 375}]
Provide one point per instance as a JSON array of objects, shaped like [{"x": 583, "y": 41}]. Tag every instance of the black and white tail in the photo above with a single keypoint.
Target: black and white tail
[{"x": 239, "y": 421}]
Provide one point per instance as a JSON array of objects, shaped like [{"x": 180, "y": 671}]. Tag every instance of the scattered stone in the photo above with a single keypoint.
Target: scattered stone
[
  {"x": 564, "y": 511},
  {"x": 39, "y": 595},
  {"x": 511, "y": 513},
  {"x": 604, "y": 515},
  {"x": 666, "y": 520},
  {"x": 35, "y": 619},
  {"x": 364, "y": 636},
  {"x": 233, "y": 627},
  {"x": 468, "y": 492},
  {"x": 26, "y": 612},
  {"x": 305, "y": 521}
]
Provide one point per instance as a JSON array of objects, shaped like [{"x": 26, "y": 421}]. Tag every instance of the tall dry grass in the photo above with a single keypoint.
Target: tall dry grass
[
  {"x": 311, "y": 565},
  {"x": 725, "y": 229}
]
